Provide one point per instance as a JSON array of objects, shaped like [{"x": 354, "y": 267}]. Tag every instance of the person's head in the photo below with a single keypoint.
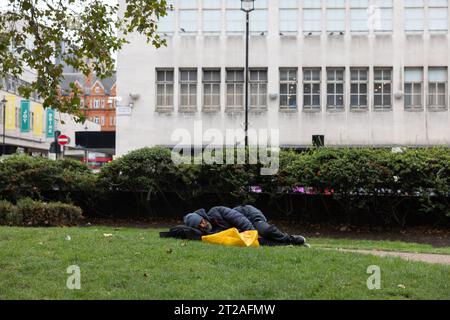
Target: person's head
[{"x": 194, "y": 220}]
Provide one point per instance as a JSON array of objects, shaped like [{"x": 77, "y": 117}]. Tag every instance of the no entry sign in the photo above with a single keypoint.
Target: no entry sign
[{"x": 63, "y": 140}]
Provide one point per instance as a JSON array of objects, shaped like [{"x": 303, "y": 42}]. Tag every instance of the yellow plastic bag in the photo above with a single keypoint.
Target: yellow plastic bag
[{"x": 232, "y": 237}]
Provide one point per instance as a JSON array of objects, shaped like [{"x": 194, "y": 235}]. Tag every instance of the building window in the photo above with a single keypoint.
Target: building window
[
  {"x": 437, "y": 87},
  {"x": 235, "y": 17},
  {"x": 414, "y": 14},
  {"x": 258, "y": 18},
  {"x": 102, "y": 103},
  {"x": 311, "y": 88},
  {"x": 188, "y": 88},
  {"x": 111, "y": 121},
  {"x": 359, "y": 15},
  {"x": 381, "y": 15},
  {"x": 382, "y": 95},
  {"x": 335, "y": 15},
  {"x": 102, "y": 121},
  {"x": 438, "y": 15},
  {"x": 235, "y": 89},
  {"x": 359, "y": 81},
  {"x": 258, "y": 88},
  {"x": 96, "y": 120},
  {"x": 166, "y": 24},
  {"x": 335, "y": 88},
  {"x": 164, "y": 88},
  {"x": 96, "y": 103},
  {"x": 413, "y": 88},
  {"x": 188, "y": 11},
  {"x": 312, "y": 16},
  {"x": 211, "y": 89},
  {"x": 212, "y": 17},
  {"x": 288, "y": 16},
  {"x": 288, "y": 88}
]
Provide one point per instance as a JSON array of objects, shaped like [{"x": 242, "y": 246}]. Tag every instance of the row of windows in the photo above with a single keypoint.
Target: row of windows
[
  {"x": 101, "y": 120},
  {"x": 364, "y": 15},
  {"x": 100, "y": 103},
  {"x": 359, "y": 88},
  {"x": 12, "y": 84}
]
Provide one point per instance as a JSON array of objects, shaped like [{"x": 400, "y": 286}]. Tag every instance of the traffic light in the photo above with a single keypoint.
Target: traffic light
[{"x": 55, "y": 148}]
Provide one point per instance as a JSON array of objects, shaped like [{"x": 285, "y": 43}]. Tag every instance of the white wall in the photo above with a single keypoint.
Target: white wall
[{"x": 146, "y": 127}]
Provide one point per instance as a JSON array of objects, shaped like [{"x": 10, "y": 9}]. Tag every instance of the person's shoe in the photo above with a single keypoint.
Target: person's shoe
[{"x": 298, "y": 240}]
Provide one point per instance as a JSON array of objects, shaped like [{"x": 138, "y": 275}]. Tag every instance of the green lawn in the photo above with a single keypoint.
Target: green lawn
[{"x": 137, "y": 264}]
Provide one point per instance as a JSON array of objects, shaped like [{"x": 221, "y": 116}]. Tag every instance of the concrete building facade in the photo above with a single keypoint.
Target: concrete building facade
[{"x": 359, "y": 72}]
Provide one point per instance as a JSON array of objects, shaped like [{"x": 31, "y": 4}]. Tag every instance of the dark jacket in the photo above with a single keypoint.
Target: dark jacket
[
  {"x": 222, "y": 218},
  {"x": 251, "y": 213}
]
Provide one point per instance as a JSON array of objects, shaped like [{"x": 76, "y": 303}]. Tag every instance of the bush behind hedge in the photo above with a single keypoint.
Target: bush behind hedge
[{"x": 65, "y": 180}]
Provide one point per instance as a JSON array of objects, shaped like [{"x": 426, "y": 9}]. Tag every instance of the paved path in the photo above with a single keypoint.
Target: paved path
[{"x": 423, "y": 257}]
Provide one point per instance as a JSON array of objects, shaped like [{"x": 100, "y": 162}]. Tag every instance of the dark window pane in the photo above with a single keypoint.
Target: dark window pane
[
  {"x": 292, "y": 101},
  {"x": 363, "y": 100},
  {"x": 316, "y": 100},
  {"x": 363, "y": 88},
  {"x": 307, "y": 88},
  {"x": 330, "y": 88},
  {"x": 307, "y": 100},
  {"x": 316, "y": 88},
  {"x": 330, "y": 100},
  {"x": 377, "y": 100}
]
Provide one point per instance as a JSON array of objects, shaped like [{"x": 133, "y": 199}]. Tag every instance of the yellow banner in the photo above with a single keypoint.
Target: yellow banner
[
  {"x": 10, "y": 114},
  {"x": 38, "y": 119}
]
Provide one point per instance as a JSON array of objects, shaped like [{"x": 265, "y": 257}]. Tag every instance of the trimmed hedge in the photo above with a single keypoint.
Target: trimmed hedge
[
  {"x": 359, "y": 179},
  {"x": 374, "y": 183},
  {"x": 8, "y": 214},
  {"x": 28, "y": 212}
]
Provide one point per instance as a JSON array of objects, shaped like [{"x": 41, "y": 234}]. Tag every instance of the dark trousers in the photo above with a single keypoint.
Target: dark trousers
[{"x": 272, "y": 233}]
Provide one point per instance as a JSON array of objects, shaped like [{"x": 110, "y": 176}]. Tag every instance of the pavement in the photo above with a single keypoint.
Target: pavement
[{"x": 411, "y": 256}]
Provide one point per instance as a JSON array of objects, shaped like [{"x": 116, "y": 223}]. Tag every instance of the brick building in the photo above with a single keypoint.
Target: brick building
[{"x": 98, "y": 100}]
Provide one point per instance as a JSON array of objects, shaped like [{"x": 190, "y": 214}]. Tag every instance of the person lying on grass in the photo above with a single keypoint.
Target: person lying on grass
[{"x": 243, "y": 218}]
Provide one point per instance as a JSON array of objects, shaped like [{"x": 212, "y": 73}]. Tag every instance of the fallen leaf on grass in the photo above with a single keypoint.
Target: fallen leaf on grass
[
  {"x": 68, "y": 238},
  {"x": 402, "y": 286},
  {"x": 107, "y": 235}
]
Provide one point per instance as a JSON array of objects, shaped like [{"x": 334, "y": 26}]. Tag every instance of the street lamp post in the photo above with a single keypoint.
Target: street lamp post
[
  {"x": 247, "y": 6},
  {"x": 4, "y": 101}
]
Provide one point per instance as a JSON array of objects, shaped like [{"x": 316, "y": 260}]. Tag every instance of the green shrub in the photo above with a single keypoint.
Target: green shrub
[
  {"x": 37, "y": 213},
  {"x": 8, "y": 214},
  {"x": 35, "y": 177}
]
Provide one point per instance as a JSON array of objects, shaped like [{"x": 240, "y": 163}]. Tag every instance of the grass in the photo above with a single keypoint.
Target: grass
[{"x": 137, "y": 264}]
